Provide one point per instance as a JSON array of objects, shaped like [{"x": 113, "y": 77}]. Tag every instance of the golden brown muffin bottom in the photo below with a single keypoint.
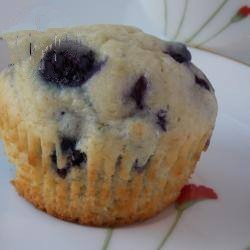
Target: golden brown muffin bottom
[{"x": 101, "y": 193}]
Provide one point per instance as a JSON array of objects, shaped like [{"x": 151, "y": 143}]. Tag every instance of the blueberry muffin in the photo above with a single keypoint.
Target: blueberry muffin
[{"x": 104, "y": 123}]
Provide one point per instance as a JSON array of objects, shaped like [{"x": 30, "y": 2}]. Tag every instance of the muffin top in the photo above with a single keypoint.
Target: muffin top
[{"x": 84, "y": 82}]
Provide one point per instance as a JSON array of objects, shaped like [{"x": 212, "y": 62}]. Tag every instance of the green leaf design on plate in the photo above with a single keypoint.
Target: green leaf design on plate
[
  {"x": 171, "y": 229},
  {"x": 210, "y": 18},
  {"x": 165, "y": 3},
  {"x": 107, "y": 239},
  {"x": 238, "y": 16},
  {"x": 189, "y": 195},
  {"x": 182, "y": 20}
]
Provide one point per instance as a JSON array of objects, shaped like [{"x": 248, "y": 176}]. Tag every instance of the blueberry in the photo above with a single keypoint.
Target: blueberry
[
  {"x": 138, "y": 168},
  {"x": 118, "y": 161},
  {"x": 77, "y": 157},
  {"x": 138, "y": 92},
  {"x": 200, "y": 78},
  {"x": 202, "y": 82},
  {"x": 30, "y": 49},
  {"x": 63, "y": 171},
  {"x": 162, "y": 119},
  {"x": 67, "y": 144},
  {"x": 53, "y": 157},
  {"x": 179, "y": 52},
  {"x": 74, "y": 157},
  {"x": 69, "y": 64}
]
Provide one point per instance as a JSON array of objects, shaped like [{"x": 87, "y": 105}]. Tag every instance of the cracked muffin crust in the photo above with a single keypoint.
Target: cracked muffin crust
[{"x": 104, "y": 123}]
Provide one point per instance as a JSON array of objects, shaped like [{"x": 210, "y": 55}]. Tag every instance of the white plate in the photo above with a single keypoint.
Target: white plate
[{"x": 222, "y": 224}]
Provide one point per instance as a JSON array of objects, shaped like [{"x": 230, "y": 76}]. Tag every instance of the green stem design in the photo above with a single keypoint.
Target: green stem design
[
  {"x": 170, "y": 231},
  {"x": 188, "y": 40},
  {"x": 165, "y": 16},
  {"x": 107, "y": 239},
  {"x": 214, "y": 35},
  {"x": 182, "y": 20}
]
